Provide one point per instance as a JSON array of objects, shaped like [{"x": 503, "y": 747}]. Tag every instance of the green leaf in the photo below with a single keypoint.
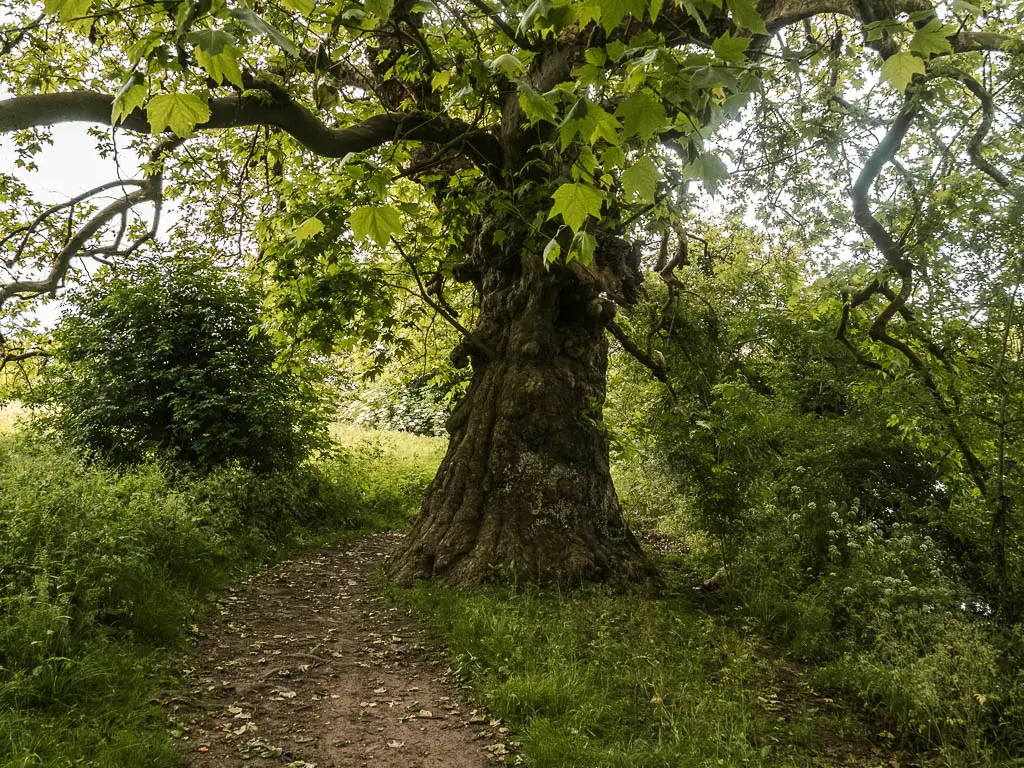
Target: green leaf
[
  {"x": 211, "y": 41},
  {"x": 731, "y": 48},
  {"x": 552, "y": 251},
  {"x": 256, "y": 24},
  {"x": 305, "y": 7},
  {"x": 441, "y": 79},
  {"x": 379, "y": 8},
  {"x": 604, "y": 125},
  {"x": 181, "y": 112},
  {"x": 378, "y": 222},
  {"x": 67, "y": 10},
  {"x": 969, "y": 9},
  {"x": 640, "y": 180},
  {"x": 311, "y": 227},
  {"x": 129, "y": 97},
  {"x": 535, "y": 106},
  {"x": 615, "y": 49},
  {"x": 655, "y": 10},
  {"x": 900, "y": 68},
  {"x": 575, "y": 202},
  {"x": 536, "y": 9},
  {"x": 746, "y": 16},
  {"x": 933, "y": 37},
  {"x": 695, "y": 14},
  {"x": 222, "y": 66},
  {"x": 614, "y": 11},
  {"x": 508, "y": 65},
  {"x": 642, "y": 115},
  {"x": 583, "y": 246},
  {"x": 709, "y": 169}
]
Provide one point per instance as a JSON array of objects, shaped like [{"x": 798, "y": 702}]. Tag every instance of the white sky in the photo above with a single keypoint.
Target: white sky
[{"x": 68, "y": 167}]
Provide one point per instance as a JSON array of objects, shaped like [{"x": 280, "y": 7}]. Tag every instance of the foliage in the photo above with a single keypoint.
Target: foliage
[
  {"x": 162, "y": 360},
  {"x": 843, "y": 531},
  {"x": 629, "y": 680},
  {"x": 100, "y": 570}
]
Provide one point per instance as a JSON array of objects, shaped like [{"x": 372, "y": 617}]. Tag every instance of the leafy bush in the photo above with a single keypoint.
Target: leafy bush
[{"x": 163, "y": 360}]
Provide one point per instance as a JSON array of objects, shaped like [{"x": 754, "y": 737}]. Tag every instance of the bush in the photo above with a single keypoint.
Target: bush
[{"x": 163, "y": 360}]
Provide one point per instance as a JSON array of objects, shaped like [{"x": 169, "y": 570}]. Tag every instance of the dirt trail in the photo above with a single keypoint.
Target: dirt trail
[{"x": 305, "y": 666}]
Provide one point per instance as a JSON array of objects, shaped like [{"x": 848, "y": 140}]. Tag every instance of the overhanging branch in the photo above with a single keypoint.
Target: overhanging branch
[{"x": 36, "y": 110}]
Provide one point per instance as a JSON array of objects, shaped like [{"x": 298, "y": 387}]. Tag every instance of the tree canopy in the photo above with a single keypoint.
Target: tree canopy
[{"x": 547, "y": 155}]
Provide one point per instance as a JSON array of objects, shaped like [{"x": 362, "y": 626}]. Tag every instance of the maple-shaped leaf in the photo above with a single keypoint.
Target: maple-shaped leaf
[
  {"x": 933, "y": 37},
  {"x": 181, "y": 112},
  {"x": 575, "y": 202},
  {"x": 731, "y": 48},
  {"x": 311, "y": 227},
  {"x": 640, "y": 180},
  {"x": 377, "y": 222},
  {"x": 709, "y": 169},
  {"x": 536, "y": 107},
  {"x": 899, "y": 69},
  {"x": 746, "y": 15},
  {"x": 642, "y": 115}
]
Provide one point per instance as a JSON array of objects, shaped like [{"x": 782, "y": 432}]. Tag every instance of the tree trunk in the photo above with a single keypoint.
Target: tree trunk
[{"x": 524, "y": 492}]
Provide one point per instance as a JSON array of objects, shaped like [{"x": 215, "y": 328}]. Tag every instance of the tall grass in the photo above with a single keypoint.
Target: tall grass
[
  {"x": 630, "y": 681},
  {"x": 11, "y": 415},
  {"x": 101, "y": 571}
]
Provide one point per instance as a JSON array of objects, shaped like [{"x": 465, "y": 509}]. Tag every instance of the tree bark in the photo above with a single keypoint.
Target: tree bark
[{"x": 524, "y": 492}]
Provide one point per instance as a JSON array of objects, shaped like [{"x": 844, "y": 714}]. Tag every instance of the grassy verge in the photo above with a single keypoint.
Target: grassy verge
[
  {"x": 100, "y": 573},
  {"x": 596, "y": 679}
]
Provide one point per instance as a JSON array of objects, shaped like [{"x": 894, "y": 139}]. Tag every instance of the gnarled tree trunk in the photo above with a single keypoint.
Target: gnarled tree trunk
[{"x": 524, "y": 492}]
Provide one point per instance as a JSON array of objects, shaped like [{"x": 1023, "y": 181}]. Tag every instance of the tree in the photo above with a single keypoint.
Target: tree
[
  {"x": 527, "y": 151},
  {"x": 159, "y": 360}
]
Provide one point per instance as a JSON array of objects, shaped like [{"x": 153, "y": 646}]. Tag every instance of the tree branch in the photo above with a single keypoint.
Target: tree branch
[
  {"x": 654, "y": 366},
  {"x": 281, "y": 111}
]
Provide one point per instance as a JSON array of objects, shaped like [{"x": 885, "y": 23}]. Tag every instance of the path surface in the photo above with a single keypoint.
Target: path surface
[{"x": 305, "y": 666}]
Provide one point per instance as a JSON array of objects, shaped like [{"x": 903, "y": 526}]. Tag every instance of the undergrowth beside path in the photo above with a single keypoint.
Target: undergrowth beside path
[
  {"x": 595, "y": 678},
  {"x": 101, "y": 573}
]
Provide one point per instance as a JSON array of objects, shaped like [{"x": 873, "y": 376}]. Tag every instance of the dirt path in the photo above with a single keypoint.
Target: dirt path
[{"x": 305, "y": 666}]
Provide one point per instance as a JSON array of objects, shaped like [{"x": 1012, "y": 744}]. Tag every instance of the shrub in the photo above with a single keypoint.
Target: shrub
[{"x": 163, "y": 360}]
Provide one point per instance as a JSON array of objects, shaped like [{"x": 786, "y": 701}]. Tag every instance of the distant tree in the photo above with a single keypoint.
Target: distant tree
[{"x": 163, "y": 360}]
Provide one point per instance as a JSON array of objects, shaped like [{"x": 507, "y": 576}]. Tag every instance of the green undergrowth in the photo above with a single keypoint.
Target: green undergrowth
[
  {"x": 595, "y": 679},
  {"x": 101, "y": 571},
  {"x": 883, "y": 623}
]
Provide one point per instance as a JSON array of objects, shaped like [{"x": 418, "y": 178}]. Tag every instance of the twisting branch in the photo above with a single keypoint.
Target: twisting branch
[
  {"x": 977, "y": 140},
  {"x": 26, "y": 230},
  {"x": 657, "y": 367},
  {"x": 900, "y": 265},
  {"x": 449, "y": 316},
  {"x": 281, "y": 111},
  {"x": 19, "y": 356},
  {"x": 77, "y": 241},
  {"x": 10, "y": 43},
  {"x": 470, "y": 343}
]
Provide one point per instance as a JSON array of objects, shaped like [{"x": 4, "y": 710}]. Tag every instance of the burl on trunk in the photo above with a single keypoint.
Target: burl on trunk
[{"x": 524, "y": 492}]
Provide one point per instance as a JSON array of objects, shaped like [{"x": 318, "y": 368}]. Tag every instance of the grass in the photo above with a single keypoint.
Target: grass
[
  {"x": 10, "y": 416},
  {"x": 594, "y": 679},
  {"x": 100, "y": 572}
]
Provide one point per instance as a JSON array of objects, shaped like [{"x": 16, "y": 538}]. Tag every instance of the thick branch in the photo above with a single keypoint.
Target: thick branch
[
  {"x": 884, "y": 153},
  {"x": 291, "y": 117}
]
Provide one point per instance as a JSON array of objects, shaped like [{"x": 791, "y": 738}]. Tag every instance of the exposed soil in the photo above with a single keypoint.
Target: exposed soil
[{"x": 303, "y": 665}]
